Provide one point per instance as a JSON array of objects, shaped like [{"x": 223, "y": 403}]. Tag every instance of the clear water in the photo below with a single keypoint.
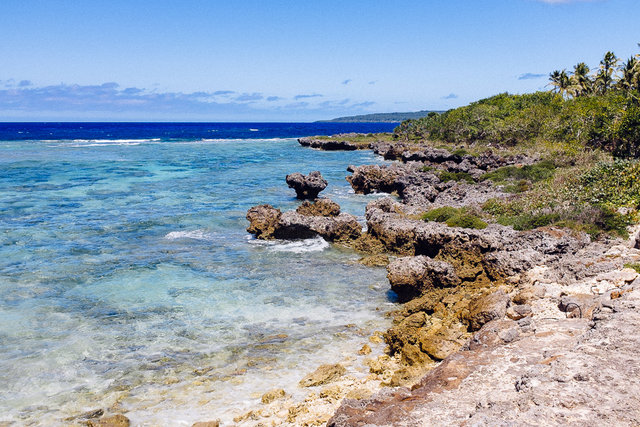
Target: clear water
[{"x": 127, "y": 278}]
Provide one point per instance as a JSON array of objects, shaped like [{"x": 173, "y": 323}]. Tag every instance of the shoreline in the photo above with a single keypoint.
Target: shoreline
[{"x": 512, "y": 286}]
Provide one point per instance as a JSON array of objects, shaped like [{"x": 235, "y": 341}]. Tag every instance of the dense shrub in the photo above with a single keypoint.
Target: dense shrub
[
  {"x": 612, "y": 185},
  {"x": 609, "y": 121}
]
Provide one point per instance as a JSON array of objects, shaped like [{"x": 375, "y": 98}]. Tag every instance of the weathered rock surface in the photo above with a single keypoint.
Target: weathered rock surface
[
  {"x": 487, "y": 308},
  {"x": 263, "y": 221},
  {"x": 307, "y": 186},
  {"x": 377, "y": 178},
  {"x": 215, "y": 423},
  {"x": 411, "y": 276},
  {"x": 545, "y": 372},
  {"x": 419, "y": 190},
  {"x": 267, "y": 222},
  {"x": 272, "y": 395},
  {"x": 336, "y": 142},
  {"x": 292, "y": 225},
  {"x": 319, "y": 207},
  {"x": 323, "y": 375},
  {"x": 500, "y": 308},
  {"x": 110, "y": 421}
]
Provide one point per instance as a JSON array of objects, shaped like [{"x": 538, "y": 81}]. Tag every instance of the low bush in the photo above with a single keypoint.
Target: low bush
[
  {"x": 532, "y": 173},
  {"x": 446, "y": 176},
  {"x": 454, "y": 217}
]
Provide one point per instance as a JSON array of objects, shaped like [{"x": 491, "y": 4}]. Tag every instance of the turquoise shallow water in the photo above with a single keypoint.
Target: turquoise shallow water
[{"x": 127, "y": 278}]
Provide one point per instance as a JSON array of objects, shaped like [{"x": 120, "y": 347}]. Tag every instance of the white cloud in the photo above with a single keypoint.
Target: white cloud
[{"x": 107, "y": 100}]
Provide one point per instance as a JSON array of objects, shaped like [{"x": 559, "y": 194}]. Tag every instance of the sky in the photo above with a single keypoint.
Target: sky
[{"x": 281, "y": 60}]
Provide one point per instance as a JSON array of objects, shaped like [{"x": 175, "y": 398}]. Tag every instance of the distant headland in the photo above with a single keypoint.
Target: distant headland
[{"x": 380, "y": 117}]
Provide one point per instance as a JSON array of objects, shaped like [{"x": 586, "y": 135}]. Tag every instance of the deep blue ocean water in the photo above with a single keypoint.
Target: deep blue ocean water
[
  {"x": 179, "y": 131},
  {"x": 127, "y": 277}
]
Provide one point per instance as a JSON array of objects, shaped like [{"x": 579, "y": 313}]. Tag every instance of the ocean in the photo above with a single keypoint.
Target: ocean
[{"x": 128, "y": 281}]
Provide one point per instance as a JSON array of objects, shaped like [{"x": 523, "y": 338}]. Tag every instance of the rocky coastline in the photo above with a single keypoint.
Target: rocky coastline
[{"x": 491, "y": 320}]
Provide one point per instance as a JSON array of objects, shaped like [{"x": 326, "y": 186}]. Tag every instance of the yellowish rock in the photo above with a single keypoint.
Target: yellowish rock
[
  {"x": 272, "y": 395},
  {"x": 215, "y": 423},
  {"x": 110, "y": 421},
  {"x": 365, "y": 350},
  {"x": 376, "y": 339},
  {"x": 323, "y": 375}
]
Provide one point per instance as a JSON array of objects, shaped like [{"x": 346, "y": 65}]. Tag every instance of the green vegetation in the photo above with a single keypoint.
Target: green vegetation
[
  {"x": 524, "y": 176},
  {"x": 454, "y": 217},
  {"x": 599, "y": 110},
  {"x": 586, "y": 133},
  {"x": 586, "y": 129},
  {"x": 634, "y": 266},
  {"x": 612, "y": 185},
  {"x": 603, "y": 198},
  {"x": 460, "y": 152}
]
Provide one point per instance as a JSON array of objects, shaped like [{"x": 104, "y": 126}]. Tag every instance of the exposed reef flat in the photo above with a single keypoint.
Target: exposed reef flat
[{"x": 497, "y": 324}]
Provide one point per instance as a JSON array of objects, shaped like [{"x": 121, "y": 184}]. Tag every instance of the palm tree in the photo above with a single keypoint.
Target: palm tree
[
  {"x": 560, "y": 81},
  {"x": 630, "y": 74},
  {"x": 605, "y": 77},
  {"x": 580, "y": 81}
]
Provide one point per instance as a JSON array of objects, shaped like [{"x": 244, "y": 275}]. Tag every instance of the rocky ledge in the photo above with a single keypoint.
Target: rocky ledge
[
  {"x": 321, "y": 218},
  {"x": 519, "y": 325},
  {"x": 344, "y": 142},
  {"x": 529, "y": 371}
]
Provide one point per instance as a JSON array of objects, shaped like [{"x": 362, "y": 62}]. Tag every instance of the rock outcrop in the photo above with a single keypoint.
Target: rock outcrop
[
  {"x": 323, "y": 375},
  {"x": 319, "y": 207},
  {"x": 307, "y": 186},
  {"x": 410, "y": 277},
  {"x": 419, "y": 189},
  {"x": 531, "y": 372},
  {"x": 336, "y": 142},
  {"x": 267, "y": 222},
  {"x": 495, "y": 308},
  {"x": 110, "y": 421}
]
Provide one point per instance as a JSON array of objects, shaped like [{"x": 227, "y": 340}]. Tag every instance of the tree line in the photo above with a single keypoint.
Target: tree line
[{"x": 612, "y": 73}]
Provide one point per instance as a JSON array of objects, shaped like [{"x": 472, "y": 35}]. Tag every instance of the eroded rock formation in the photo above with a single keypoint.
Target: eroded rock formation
[
  {"x": 267, "y": 222},
  {"x": 307, "y": 186}
]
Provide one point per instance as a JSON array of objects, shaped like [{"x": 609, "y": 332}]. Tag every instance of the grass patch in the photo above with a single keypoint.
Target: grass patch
[
  {"x": 460, "y": 152},
  {"x": 532, "y": 173},
  {"x": 634, "y": 266},
  {"x": 521, "y": 214},
  {"x": 454, "y": 217}
]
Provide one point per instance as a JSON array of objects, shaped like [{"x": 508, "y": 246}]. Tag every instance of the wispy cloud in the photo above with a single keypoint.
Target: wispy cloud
[
  {"x": 346, "y": 82},
  {"x": 531, "y": 76},
  {"x": 450, "y": 96},
  {"x": 306, "y": 96},
  {"x": 25, "y": 100},
  {"x": 248, "y": 97},
  {"x": 109, "y": 97},
  {"x": 223, "y": 92},
  {"x": 364, "y": 104}
]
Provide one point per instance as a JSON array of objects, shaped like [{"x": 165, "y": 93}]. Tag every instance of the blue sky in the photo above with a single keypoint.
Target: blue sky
[{"x": 290, "y": 60}]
